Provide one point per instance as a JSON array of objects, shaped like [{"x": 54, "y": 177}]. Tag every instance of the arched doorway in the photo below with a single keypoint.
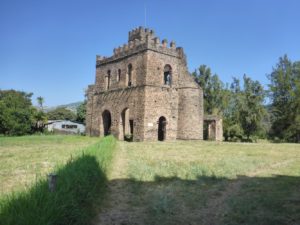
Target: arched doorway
[
  {"x": 162, "y": 124},
  {"x": 106, "y": 118},
  {"x": 127, "y": 124}
]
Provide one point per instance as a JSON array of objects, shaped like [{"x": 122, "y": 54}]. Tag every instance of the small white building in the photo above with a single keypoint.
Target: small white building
[{"x": 65, "y": 127}]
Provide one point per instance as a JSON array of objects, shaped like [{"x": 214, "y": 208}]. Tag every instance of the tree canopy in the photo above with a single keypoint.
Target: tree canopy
[
  {"x": 81, "y": 112},
  {"x": 17, "y": 115},
  {"x": 284, "y": 92},
  {"x": 61, "y": 114},
  {"x": 241, "y": 107}
]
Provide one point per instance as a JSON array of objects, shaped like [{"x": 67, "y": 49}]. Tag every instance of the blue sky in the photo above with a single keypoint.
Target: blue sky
[{"x": 48, "y": 47}]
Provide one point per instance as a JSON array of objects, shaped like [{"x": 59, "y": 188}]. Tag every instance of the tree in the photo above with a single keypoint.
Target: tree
[
  {"x": 284, "y": 92},
  {"x": 251, "y": 108},
  {"x": 213, "y": 90},
  {"x": 40, "y": 116},
  {"x": 61, "y": 114},
  {"x": 81, "y": 112},
  {"x": 231, "y": 126},
  {"x": 16, "y": 112},
  {"x": 40, "y": 101}
]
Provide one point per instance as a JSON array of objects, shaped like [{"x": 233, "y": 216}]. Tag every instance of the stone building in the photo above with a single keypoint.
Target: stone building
[
  {"x": 213, "y": 128},
  {"x": 144, "y": 91}
]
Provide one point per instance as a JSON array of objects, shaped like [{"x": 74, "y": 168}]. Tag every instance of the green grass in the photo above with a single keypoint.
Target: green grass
[
  {"x": 25, "y": 159},
  {"x": 81, "y": 183},
  {"x": 194, "y": 182},
  {"x": 182, "y": 182}
]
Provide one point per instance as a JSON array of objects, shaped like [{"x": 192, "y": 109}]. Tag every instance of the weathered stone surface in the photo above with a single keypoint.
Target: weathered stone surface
[
  {"x": 135, "y": 78},
  {"x": 215, "y": 127}
]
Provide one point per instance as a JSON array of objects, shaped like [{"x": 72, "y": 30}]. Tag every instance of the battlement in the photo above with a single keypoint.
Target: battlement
[
  {"x": 141, "y": 39},
  {"x": 141, "y": 34}
]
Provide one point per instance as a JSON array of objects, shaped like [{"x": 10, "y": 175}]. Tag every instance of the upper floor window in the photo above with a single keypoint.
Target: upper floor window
[
  {"x": 119, "y": 75},
  {"x": 108, "y": 80},
  {"x": 167, "y": 75},
  {"x": 129, "y": 74}
]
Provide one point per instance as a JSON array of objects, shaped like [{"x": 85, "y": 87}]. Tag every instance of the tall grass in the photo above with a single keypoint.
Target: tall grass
[{"x": 81, "y": 183}]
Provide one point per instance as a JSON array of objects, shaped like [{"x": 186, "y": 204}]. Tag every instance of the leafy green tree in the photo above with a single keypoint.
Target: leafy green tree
[
  {"x": 285, "y": 95},
  {"x": 40, "y": 116},
  {"x": 61, "y": 114},
  {"x": 16, "y": 112},
  {"x": 251, "y": 109},
  {"x": 40, "y": 101},
  {"x": 213, "y": 90},
  {"x": 81, "y": 112}
]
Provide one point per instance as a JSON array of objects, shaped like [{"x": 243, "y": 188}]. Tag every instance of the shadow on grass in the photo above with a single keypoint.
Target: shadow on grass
[
  {"x": 205, "y": 200},
  {"x": 80, "y": 185}
]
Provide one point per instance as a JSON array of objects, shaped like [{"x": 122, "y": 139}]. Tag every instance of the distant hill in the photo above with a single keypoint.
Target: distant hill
[{"x": 70, "y": 106}]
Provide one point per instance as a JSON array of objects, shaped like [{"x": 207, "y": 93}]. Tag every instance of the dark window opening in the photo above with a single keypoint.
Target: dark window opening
[
  {"x": 108, "y": 80},
  {"x": 129, "y": 83},
  {"x": 131, "y": 126},
  {"x": 69, "y": 126},
  {"x": 119, "y": 75},
  {"x": 167, "y": 75}
]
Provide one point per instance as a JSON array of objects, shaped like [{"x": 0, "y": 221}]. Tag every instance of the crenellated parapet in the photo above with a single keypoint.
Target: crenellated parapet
[
  {"x": 142, "y": 39},
  {"x": 141, "y": 34}
]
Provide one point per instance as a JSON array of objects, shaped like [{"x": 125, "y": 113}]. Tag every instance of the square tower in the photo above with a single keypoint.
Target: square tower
[{"x": 145, "y": 92}]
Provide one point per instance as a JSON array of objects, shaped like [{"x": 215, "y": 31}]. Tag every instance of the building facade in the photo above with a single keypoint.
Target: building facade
[
  {"x": 65, "y": 127},
  {"x": 145, "y": 92}
]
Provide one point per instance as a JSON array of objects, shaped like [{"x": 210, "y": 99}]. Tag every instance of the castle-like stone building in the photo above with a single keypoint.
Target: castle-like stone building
[{"x": 145, "y": 91}]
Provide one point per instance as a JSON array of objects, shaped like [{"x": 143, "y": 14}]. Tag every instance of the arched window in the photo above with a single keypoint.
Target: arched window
[
  {"x": 119, "y": 75},
  {"x": 167, "y": 75},
  {"x": 108, "y": 80},
  {"x": 129, "y": 74}
]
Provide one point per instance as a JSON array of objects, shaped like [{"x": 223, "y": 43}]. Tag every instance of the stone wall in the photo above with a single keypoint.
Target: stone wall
[
  {"x": 148, "y": 97},
  {"x": 215, "y": 127}
]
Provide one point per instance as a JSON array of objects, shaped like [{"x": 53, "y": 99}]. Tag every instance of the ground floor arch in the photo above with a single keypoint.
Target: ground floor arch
[
  {"x": 126, "y": 125},
  {"x": 106, "y": 119},
  {"x": 162, "y": 128}
]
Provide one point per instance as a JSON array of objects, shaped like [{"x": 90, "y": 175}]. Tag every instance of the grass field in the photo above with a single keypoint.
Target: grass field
[
  {"x": 81, "y": 183},
  {"x": 182, "y": 182},
  {"x": 23, "y": 160},
  {"x": 194, "y": 182}
]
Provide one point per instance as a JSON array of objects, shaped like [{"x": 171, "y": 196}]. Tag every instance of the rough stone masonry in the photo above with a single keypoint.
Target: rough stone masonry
[{"x": 145, "y": 92}]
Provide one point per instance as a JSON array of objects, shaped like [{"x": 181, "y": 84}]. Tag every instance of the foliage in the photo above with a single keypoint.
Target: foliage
[
  {"x": 242, "y": 108},
  {"x": 40, "y": 101},
  {"x": 61, "y": 114},
  {"x": 17, "y": 115},
  {"x": 81, "y": 183},
  {"x": 213, "y": 90},
  {"x": 81, "y": 112},
  {"x": 252, "y": 110},
  {"x": 285, "y": 96},
  {"x": 40, "y": 116}
]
